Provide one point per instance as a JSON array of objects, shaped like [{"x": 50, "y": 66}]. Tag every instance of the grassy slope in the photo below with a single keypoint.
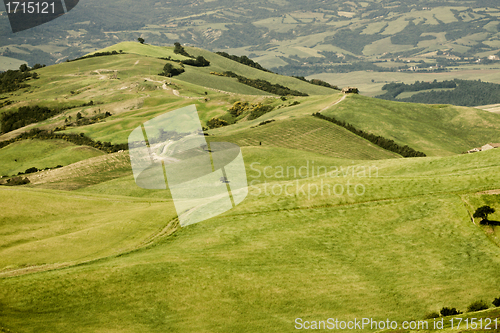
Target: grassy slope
[
  {"x": 304, "y": 134},
  {"x": 402, "y": 249},
  {"x": 447, "y": 131},
  {"x": 42, "y": 154},
  {"x": 433, "y": 129},
  {"x": 201, "y": 76},
  {"x": 405, "y": 248},
  {"x": 221, "y": 64}
]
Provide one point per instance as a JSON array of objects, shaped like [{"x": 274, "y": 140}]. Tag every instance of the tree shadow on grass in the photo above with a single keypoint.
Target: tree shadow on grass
[{"x": 488, "y": 222}]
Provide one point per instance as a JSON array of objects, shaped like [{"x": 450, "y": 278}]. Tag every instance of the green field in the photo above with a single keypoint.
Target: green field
[
  {"x": 333, "y": 226},
  {"x": 22, "y": 155},
  {"x": 434, "y": 129}
]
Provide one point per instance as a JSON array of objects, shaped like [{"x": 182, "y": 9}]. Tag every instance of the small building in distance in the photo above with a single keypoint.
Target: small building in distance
[
  {"x": 350, "y": 90},
  {"x": 487, "y": 146}
]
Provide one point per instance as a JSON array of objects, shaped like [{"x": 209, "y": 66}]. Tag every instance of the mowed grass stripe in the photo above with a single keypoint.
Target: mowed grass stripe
[
  {"x": 312, "y": 135},
  {"x": 399, "y": 260}
]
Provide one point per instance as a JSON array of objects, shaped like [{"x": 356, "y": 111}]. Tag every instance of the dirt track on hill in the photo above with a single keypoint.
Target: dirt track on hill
[{"x": 334, "y": 103}]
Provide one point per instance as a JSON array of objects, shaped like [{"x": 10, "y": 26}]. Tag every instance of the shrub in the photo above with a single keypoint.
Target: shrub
[
  {"x": 496, "y": 302},
  {"x": 198, "y": 62},
  {"x": 14, "y": 181},
  {"x": 431, "y": 315},
  {"x": 477, "y": 306},
  {"x": 238, "y": 108},
  {"x": 216, "y": 123},
  {"x": 170, "y": 70},
  {"x": 445, "y": 312}
]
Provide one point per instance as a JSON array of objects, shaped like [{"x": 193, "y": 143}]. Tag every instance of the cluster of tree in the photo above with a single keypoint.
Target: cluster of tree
[
  {"x": 78, "y": 139},
  {"x": 169, "y": 70},
  {"x": 82, "y": 121},
  {"x": 243, "y": 60},
  {"x": 263, "y": 85},
  {"x": 179, "y": 49},
  {"x": 198, "y": 62},
  {"x": 378, "y": 140},
  {"x": 97, "y": 54},
  {"x": 24, "y": 116},
  {"x": 35, "y": 169},
  {"x": 473, "y": 307},
  {"x": 466, "y": 93},
  {"x": 13, "y": 80},
  {"x": 317, "y": 82},
  {"x": 394, "y": 89}
]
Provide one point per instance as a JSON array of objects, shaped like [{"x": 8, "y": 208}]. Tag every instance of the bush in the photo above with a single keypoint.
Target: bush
[
  {"x": 431, "y": 315},
  {"x": 14, "y": 181},
  {"x": 170, "y": 70},
  {"x": 238, "y": 108},
  {"x": 198, "y": 62},
  {"x": 496, "y": 302},
  {"x": 477, "y": 306},
  {"x": 445, "y": 312},
  {"x": 216, "y": 123}
]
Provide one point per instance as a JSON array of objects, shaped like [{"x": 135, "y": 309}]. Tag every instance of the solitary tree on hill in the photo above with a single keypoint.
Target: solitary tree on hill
[
  {"x": 483, "y": 212},
  {"x": 141, "y": 40}
]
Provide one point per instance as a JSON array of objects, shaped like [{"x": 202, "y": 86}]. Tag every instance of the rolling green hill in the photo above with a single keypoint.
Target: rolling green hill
[
  {"x": 22, "y": 155},
  {"x": 305, "y": 134},
  {"x": 293, "y": 256},
  {"x": 332, "y": 226},
  {"x": 433, "y": 129}
]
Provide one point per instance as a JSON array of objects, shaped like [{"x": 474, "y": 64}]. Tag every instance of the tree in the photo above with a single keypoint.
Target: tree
[
  {"x": 496, "y": 302},
  {"x": 483, "y": 212},
  {"x": 79, "y": 116},
  {"x": 141, "y": 40},
  {"x": 449, "y": 312},
  {"x": 477, "y": 306},
  {"x": 169, "y": 70}
]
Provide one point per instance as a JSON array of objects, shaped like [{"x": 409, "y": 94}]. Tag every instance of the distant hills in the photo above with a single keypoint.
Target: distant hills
[{"x": 291, "y": 37}]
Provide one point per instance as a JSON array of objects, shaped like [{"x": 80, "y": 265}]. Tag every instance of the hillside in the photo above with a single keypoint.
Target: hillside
[
  {"x": 22, "y": 155},
  {"x": 332, "y": 226},
  {"x": 289, "y": 255},
  {"x": 434, "y": 129}
]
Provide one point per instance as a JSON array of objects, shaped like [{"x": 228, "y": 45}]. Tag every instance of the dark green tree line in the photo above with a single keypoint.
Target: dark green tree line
[{"x": 378, "y": 140}]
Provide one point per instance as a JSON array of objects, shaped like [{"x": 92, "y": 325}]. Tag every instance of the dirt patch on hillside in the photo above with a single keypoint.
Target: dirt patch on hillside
[{"x": 490, "y": 192}]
